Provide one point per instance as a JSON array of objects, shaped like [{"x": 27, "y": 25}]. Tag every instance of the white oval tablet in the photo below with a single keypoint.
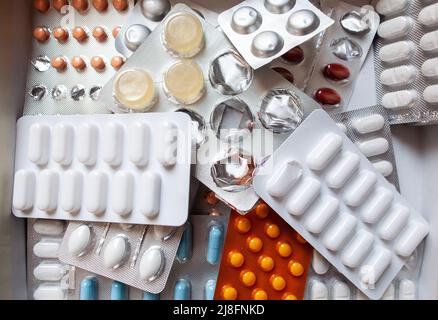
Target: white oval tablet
[
  {"x": 369, "y": 124},
  {"x": 49, "y": 291},
  {"x": 357, "y": 249},
  {"x": 429, "y": 42},
  {"x": 373, "y": 147},
  {"x": 430, "y": 68},
  {"x": 150, "y": 190},
  {"x": 378, "y": 204},
  {"x": 410, "y": 238},
  {"x": 86, "y": 145},
  {"x": 394, "y": 222},
  {"x": 71, "y": 192},
  {"x": 319, "y": 264},
  {"x": 96, "y": 192},
  {"x": 284, "y": 179},
  {"x": 341, "y": 291},
  {"x": 391, "y": 7},
  {"x": 47, "y": 191},
  {"x": 49, "y": 227},
  {"x": 430, "y": 94},
  {"x": 397, "y": 52},
  {"x": 79, "y": 240},
  {"x": 113, "y": 144},
  {"x": 39, "y": 144},
  {"x": 122, "y": 193},
  {"x": 47, "y": 248},
  {"x": 115, "y": 252},
  {"x": 303, "y": 196},
  {"x": 321, "y": 215},
  {"x": 139, "y": 135},
  {"x": 399, "y": 99},
  {"x": 63, "y": 139},
  {"x": 342, "y": 170},
  {"x": 151, "y": 264},
  {"x": 24, "y": 190},
  {"x": 168, "y": 148},
  {"x": 398, "y": 76},
  {"x": 375, "y": 265},
  {"x": 395, "y": 28},
  {"x": 428, "y": 16},
  {"x": 339, "y": 231},
  {"x": 329, "y": 146},
  {"x": 384, "y": 167},
  {"x": 358, "y": 190},
  {"x": 318, "y": 290},
  {"x": 48, "y": 271}
]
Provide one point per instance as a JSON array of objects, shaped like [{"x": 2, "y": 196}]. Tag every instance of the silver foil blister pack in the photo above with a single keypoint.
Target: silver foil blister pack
[
  {"x": 86, "y": 40},
  {"x": 341, "y": 53},
  {"x": 406, "y": 60},
  {"x": 139, "y": 256},
  {"x": 234, "y": 108},
  {"x": 263, "y": 30},
  {"x": 369, "y": 129}
]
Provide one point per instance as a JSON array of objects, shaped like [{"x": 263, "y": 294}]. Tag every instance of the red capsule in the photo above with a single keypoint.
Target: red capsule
[
  {"x": 336, "y": 72},
  {"x": 294, "y": 55},
  {"x": 285, "y": 73},
  {"x": 327, "y": 96}
]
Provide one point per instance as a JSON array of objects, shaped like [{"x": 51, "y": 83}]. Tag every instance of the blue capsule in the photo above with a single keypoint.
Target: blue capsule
[
  {"x": 182, "y": 290},
  {"x": 119, "y": 291},
  {"x": 215, "y": 241},
  {"x": 185, "y": 246},
  {"x": 150, "y": 296},
  {"x": 89, "y": 288},
  {"x": 210, "y": 287}
]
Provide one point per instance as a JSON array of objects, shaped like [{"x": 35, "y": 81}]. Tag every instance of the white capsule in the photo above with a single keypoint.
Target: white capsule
[
  {"x": 339, "y": 231},
  {"x": 389, "y": 293},
  {"x": 115, "y": 252},
  {"x": 341, "y": 291},
  {"x": 321, "y": 215},
  {"x": 430, "y": 94},
  {"x": 86, "y": 145},
  {"x": 357, "y": 249},
  {"x": 407, "y": 290},
  {"x": 378, "y": 204},
  {"x": 428, "y": 16},
  {"x": 397, "y": 52},
  {"x": 319, "y": 264},
  {"x": 47, "y": 248},
  {"x": 284, "y": 179},
  {"x": 360, "y": 188},
  {"x": 369, "y": 124},
  {"x": 24, "y": 190},
  {"x": 63, "y": 140},
  {"x": 391, "y": 7},
  {"x": 49, "y": 271},
  {"x": 410, "y": 238},
  {"x": 150, "y": 190},
  {"x": 375, "y": 265},
  {"x": 79, "y": 240},
  {"x": 399, "y": 99},
  {"x": 384, "y": 167},
  {"x": 395, "y": 28},
  {"x": 429, "y": 69},
  {"x": 151, "y": 264},
  {"x": 39, "y": 144},
  {"x": 139, "y": 144},
  {"x": 394, "y": 222},
  {"x": 398, "y": 76},
  {"x": 71, "y": 192},
  {"x": 303, "y": 196},
  {"x": 429, "y": 42},
  {"x": 49, "y": 291},
  {"x": 168, "y": 148},
  {"x": 113, "y": 144},
  {"x": 49, "y": 227},
  {"x": 373, "y": 147},
  {"x": 329, "y": 146},
  {"x": 122, "y": 193},
  {"x": 318, "y": 290},
  {"x": 47, "y": 191},
  {"x": 342, "y": 170},
  {"x": 96, "y": 192}
]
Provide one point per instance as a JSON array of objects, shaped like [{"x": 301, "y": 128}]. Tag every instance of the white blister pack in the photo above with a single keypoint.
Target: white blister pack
[
  {"x": 342, "y": 52},
  {"x": 263, "y": 30},
  {"x": 330, "y": 193},
  {"x": 145, "y": 16},
  {"x": 139, "y": 256},
  {"x": 369, "y": 129},
  {"x": 406, "y": 60},
  {"x": 104, "y": 168}
]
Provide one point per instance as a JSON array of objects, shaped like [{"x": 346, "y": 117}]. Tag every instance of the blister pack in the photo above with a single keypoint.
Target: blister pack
[
  {"x": 407, "y": 60},
  {"x": 73, "y": 54},
  {"x": 76, "y": 168},
  {"x": 192, "y": 68},
  {"x": 342, "y": 53},
  {"x": 330, "y": 193},
  {"x": 145, "y": 16},
  {"x": 263, "y": 30},
  {"x": 139, "y": 256},
  {"x": 369, "y": 129},
  {"x": 264, "y": 259},
  {"x": 325, "y": 283}
]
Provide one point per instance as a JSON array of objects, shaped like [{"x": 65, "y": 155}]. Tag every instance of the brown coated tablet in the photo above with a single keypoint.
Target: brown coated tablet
[
  {"x": 80, "y": 5},
  {"x": 80, "y": 34},
  {"x": 120, "y": 5},
  {"x": 42, "y": 5},
  {"x": 100, "y": 5},
  {"x": 99, "y": 34},
  {"x": 59, "y": 4},
  {"x": 116, "y": 31},
  {"x": 78, "y": 63},
  {"x": 59, "y": 63},
  {"x": 117, "y": 62},
  {"x": 60, "y": 34},
  {"x": 41, "y": 34},
  {"x": 98, "y": 63}
]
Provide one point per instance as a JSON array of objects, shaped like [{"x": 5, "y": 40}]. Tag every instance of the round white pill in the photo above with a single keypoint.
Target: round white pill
[
  {"x": 431, "y": 94},
  {"x": 395, "y": 28},
  {"x": 429, "y": 42},
  {"x": 429, "y": 69},
  {"x": 151, "y": 264},
  {"x": 398, "y": 76},
  {"x": 115, "y": 252},
  {"x": 391, "y": 7},
  {"x": 399, "y": 99},
  {"x": 79, "y": 240},
  {"x": 397, "y": 52},
  {"x": 428, "y": 16}
]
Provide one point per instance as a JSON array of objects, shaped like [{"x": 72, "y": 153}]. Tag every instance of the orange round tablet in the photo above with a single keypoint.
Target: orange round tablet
[
  {"x": 59, "y": 4},
  {"x": 248, "y": 278},
  {"x": 288, "y": 296},
  {"x": 278, "y": 283},
  {"x": 295, "y": 268},
  {"x": 59, "y": 63},
  {"x": 259, "y": 294},
  {"x": 120, "y": 5},
  {"x": 99, "y": 34},
  {"x": 80, "y": 5},
  {"x": 284, "y": 249},
  {"x": 229, "y": 293},
  {"x": 236, "y": 258},
  {"x": 80, "y": 34},
  {"x": 266, "y": 263},
  {"x": 100, "y": 5},
  {"x": 116, "y": 31},
  {"x": 78, "y": 63},
  {"x": 272, "y": 230},
  {"x": 41, "y": 34},
  {"x": 117, "y": 62},
  {"x": 60, "y": 34},
  {"x": 42, "y": 5},
  {"x": 262, "y": 210},
  {"x": 98, "y": 63},
  {"x": 255, "y": 244},
  {"x": 242, "y": 224}
]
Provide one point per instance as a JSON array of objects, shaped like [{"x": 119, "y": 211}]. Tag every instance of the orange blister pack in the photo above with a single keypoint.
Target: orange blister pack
[{"x": 263, "y": 259}]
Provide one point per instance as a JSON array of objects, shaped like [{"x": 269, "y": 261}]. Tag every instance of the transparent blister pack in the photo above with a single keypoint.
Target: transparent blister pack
[
  {"x": 73, "y": 55},
  {"x": 329, "y": 192},
  {"x": 145, "y": 16},
  {"x": 139, "y": 256},
  {"x": 104, "y": 168},
  {"x": 263, "y": 30},
  {"x": 325, "y": 283},
  {"x": 406, "y": 60},
  {"x": 342, "y": 52},
  {"x": 249, "y": 113},
  {"x": 369, "y": 129}
]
